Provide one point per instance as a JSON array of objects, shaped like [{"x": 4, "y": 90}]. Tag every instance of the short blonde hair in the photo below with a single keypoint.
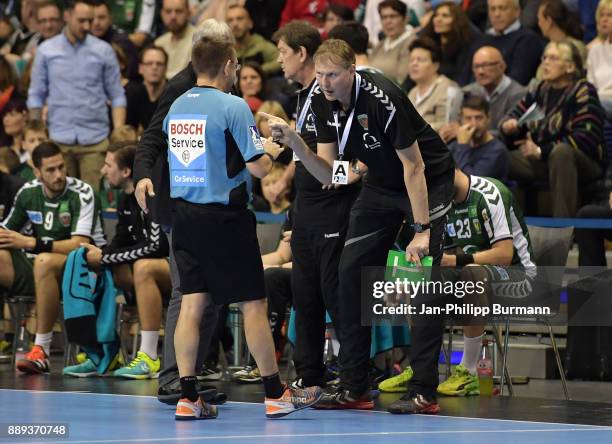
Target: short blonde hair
[
  {"x": 603, "y": 4},
  {"x": 337, "y": 52}
]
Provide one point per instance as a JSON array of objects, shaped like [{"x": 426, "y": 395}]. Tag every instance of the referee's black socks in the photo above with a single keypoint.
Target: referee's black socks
[
  {"x": 188, "y": 388},
  {"x": 272, "y": 386}
]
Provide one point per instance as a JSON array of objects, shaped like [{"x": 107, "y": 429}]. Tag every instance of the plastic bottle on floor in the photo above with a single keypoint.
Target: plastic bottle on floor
[
  {"x": 484, "y": 369},
  {"x": 23, "y": 342}
]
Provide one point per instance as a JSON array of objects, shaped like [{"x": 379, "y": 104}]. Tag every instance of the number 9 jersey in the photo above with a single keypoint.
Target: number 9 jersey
[{"x": 75, "y": 212}]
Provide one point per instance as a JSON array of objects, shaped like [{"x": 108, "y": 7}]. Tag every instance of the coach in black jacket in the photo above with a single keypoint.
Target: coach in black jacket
[{"x": 153, "y": 194}]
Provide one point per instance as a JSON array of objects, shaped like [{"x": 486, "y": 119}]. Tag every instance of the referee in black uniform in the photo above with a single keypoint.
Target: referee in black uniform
[{"x": 410, "y": 176}]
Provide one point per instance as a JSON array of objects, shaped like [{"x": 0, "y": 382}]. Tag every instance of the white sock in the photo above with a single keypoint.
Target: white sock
[
  {"x": 148, "y": 343},
  {"x": 44, "y": 340},
  {"x": 471, "y": 351}
]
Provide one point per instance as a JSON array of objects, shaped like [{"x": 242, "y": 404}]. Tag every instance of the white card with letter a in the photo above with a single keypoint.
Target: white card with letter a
[{"x": 340, "y": 172}]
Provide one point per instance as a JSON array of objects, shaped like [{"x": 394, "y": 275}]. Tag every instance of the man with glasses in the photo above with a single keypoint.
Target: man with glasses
[
  {"x": 142, "y": 97},
  {"x": 501, "y": 91},
  {"x": 49, "y": 18}
]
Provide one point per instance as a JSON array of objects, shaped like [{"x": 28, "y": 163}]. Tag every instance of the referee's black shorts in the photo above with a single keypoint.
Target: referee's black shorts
[{"x": 217, "y": 252}]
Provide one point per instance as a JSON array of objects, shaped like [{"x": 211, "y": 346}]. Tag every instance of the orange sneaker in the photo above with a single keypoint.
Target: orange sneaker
[
  {"x": 189, "y": 410},
  {"x": 292, "y": 400},
  {"x": 35, "y": 362}
]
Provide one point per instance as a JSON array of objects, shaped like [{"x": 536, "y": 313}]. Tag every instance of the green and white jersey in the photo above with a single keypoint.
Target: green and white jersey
[
  {"x": 488, "y": 215},
  {"x": 76, "y": 212}
]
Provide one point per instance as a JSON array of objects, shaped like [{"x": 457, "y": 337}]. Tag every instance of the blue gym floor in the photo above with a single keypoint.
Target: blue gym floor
[{"x": 100, "y": 418}]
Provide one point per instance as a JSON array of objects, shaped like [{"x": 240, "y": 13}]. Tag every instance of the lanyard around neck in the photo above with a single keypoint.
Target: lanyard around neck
[
  {"x": 349, "y": 121},
  {"x": 304, "y": 110}
]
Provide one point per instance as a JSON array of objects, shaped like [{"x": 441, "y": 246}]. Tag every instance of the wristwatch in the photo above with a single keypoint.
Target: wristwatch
[
  {"x": 419, "y": 228},
  {"x": 355, "y": 168}
]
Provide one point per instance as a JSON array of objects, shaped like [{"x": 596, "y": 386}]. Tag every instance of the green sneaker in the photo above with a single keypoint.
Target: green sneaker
[
  {"x": 84, "y": 370},
  {"x": 142, "y": 367},
  {"x": 460, "y": 383},
  {"x": 397, "y": 384}
]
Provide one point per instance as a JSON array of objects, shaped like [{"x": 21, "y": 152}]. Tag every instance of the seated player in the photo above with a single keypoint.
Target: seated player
[
  {"x": 487, "y": 229},
  {"x": 62, "y": 213},
  {"x": 137, "y": 255}
]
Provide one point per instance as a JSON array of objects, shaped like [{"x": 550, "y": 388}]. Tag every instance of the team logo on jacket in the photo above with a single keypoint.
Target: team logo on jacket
[
  {"x": 370, "y": 141},
  {"x": 363, "y": 121},
  {"x": 65, "y": 219}
]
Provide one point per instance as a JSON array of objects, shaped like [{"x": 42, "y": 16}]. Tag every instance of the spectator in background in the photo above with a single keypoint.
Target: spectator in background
[
  {"x": 49, "y": 19},
  {"x": 391, "y": 55},
  {"x": 23, "y": 41},
  {"x": 476, "y": 150},
  {"x": 558, "y": 23},
  {"x": 251, "y": 84},
  {"x": 249, "y": 46},
  {"x": 14, "y": 117},
  {"x": 502, "y": 92},
  {"x": 276, "y": 204},
  {"x": 335, "y": 14},
  {"x": 373, "y": 22},
  {"x": 279, "y": 190},
  {"x": 310, "y": 11},
  {"x": 274, "y": 109},
  {"x": 266, "y": 15},
  {"x": 458, "y": 39},
  {"x": 566, "y": 144},
  {"x": 520, "y": 47},
  {"x": 604, "y": 23},
  {"x": 177, "y": 40},
  {"x": 357, "y": 37},
  {"x": 9, "y": 94},
  {"x": 435, "y": 96},
  {"x": 65, "y": 67},
  {"x": 103, "y": 28},
  {"x": 34, "y": 133},
  {"x": 599, "y": 63},
  {"x": 137, "y": 18},
  {"x": 142, "y": 97}
]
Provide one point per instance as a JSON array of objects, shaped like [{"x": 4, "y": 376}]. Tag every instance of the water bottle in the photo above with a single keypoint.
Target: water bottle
[
  {"x": 484, "y": 369},
  {"x": 23, "y": 342}
]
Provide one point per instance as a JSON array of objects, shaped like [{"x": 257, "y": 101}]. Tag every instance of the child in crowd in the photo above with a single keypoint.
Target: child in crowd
[
  {"x": 34, "y": 133},
  {"x": 281, "y": 203}
]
